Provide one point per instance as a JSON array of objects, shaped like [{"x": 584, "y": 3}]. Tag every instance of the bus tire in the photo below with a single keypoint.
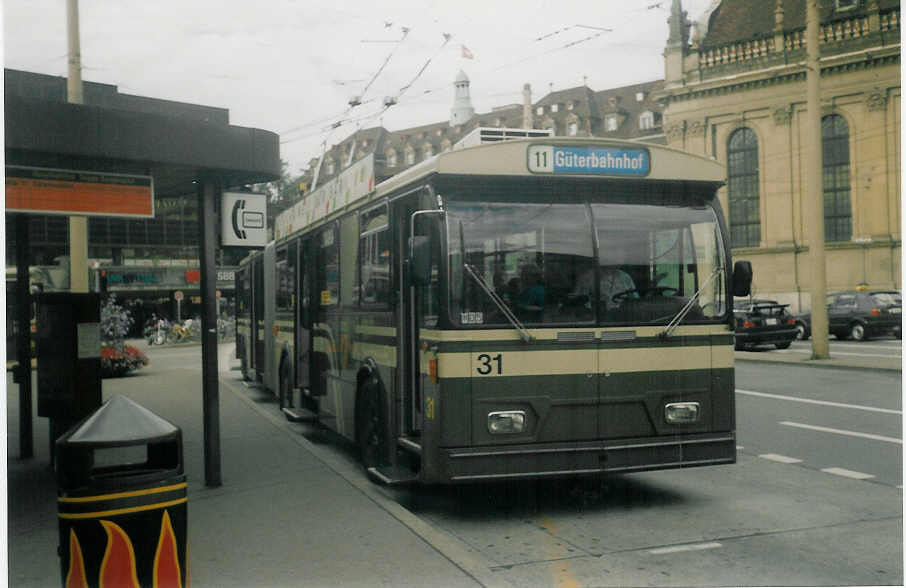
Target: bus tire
[
  {"x": 284, "y": 386},
  {"x": 243, "y": 367},
  {"x": 371, "y": 422}
]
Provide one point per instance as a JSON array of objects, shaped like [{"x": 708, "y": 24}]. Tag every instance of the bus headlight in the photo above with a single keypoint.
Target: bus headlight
[
  {"x": 681, "y": 413},
  {"x": 508, "y": 421}
]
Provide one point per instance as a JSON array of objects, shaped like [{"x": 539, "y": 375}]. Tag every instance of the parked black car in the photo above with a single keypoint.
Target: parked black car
[
  {"x": 763, "y": 322},
  {"x": 858, "y": 315}
]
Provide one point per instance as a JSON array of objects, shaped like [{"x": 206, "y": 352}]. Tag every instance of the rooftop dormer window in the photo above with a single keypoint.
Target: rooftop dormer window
[
  {"x": 639, "y": 96},
  {"x": 555, "y": 107},
  {"x": 539, "y": 111}
]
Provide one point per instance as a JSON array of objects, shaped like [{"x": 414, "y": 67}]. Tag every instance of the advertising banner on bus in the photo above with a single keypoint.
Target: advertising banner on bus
[{"x": 350, "y": 185}]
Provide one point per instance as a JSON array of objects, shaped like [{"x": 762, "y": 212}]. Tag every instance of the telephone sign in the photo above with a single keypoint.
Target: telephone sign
[{"x": 243, "y": 219}]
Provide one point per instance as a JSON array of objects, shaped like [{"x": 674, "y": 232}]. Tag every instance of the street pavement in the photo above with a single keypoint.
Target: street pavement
[
  {"x": 286, "y": 514},
  {"x": 282, "y": 517}
]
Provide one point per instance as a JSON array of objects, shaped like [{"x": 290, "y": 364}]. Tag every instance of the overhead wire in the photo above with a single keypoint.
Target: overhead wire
[{"x": 395, "y": 100}]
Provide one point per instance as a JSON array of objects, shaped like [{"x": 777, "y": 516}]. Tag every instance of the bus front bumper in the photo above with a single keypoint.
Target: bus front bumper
[{"x": 581, "y": 458}]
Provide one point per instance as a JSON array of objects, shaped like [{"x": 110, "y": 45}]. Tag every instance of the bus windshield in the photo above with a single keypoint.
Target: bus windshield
[{"x": 609, "y": 263}]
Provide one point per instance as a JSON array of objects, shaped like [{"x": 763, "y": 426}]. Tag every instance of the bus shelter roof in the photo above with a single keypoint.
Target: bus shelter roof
[{"x": 173, "y": 150}]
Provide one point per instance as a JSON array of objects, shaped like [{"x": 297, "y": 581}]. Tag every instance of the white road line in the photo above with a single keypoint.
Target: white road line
[
  {"x": 680, "y": 548},
  {"x": 835, "y": 352},
  {"x": 779, "y": 458},
  {"x": 847, "y": 473},
  {"x": 844, "y": 432},
  {"x": 821, "y": 402}
]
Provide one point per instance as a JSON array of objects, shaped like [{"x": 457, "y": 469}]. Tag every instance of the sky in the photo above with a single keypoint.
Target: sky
[{"x": 292, "y": 66}]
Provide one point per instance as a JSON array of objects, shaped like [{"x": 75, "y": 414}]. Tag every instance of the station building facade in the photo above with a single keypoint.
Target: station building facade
[{"x": 735, "y": 90}]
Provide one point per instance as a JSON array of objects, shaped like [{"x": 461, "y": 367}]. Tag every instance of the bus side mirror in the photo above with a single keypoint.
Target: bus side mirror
[
  {"x": 742, "y": 278},
  {"x": 420, "y": 260}
]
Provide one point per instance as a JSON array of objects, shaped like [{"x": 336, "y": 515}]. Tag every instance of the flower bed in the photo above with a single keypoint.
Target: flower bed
[{"x": 115, "y": 363}]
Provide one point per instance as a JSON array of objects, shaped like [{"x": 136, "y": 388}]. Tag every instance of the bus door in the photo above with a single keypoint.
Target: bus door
[
  {"x": 305, "y": 310},
  {"x": 408, "y": 358},
  {"x": 257, "y": 319}
]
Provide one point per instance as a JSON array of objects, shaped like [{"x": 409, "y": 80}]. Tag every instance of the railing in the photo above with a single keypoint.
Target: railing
[{"x": 842, "y": 30}]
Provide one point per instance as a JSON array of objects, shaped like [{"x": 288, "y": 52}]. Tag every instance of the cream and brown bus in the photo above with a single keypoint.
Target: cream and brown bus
[{"x": 523, "y": 309}]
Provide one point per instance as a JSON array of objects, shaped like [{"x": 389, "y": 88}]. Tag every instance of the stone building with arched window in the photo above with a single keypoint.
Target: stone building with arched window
[{"x": 735, "y": 90}]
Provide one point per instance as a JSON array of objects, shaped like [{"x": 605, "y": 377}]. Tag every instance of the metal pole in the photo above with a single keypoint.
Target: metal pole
[
  {"x": 23, "y": 338},
  {"x": 208, "y": 190},
  {"x": 814, "y": 196},
  {"x": 78, "y": 225}
]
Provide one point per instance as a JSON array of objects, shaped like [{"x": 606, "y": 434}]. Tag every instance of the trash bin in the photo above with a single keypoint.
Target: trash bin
[{"x": 122, "y": 499}]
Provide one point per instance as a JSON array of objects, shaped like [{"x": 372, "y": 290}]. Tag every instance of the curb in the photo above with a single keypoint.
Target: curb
[{"x": 821, "y": 363}]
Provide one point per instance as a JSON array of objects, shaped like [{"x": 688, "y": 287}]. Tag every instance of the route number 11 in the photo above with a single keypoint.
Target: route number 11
[{"x": 541, "y": 158}]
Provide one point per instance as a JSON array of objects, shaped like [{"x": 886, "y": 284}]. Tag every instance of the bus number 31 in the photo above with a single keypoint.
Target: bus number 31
[{"x": 486, "y": 368}]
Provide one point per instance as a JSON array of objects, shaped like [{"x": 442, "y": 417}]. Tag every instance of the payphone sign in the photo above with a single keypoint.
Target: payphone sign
[{"x": 243, "y": 220}]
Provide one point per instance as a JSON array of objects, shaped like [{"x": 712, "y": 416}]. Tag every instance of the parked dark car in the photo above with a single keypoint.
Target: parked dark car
[
  {"x": 763, "y": 322},
  {"x": 858, "y": 315}
]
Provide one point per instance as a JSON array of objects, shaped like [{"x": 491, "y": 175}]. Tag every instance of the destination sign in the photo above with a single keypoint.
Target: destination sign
[{"x": 606, "y": 161}]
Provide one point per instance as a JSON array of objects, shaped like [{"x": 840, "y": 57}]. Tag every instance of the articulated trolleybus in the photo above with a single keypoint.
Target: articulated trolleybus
[{"x": 524, "y": 309}]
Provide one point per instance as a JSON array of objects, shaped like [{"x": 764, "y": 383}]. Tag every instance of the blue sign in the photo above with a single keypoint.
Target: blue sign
[{"x": 588, "y": 160}]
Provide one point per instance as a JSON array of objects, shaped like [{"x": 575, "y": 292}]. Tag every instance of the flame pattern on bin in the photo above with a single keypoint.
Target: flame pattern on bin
[
  {"x": 75, "y": 578},
  {"x": 118, "y": 569}
]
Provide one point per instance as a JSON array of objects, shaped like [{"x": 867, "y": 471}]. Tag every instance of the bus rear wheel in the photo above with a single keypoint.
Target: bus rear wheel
[
  {"x": 370, "y": 426},
  {"x": 285, "y": 390}
]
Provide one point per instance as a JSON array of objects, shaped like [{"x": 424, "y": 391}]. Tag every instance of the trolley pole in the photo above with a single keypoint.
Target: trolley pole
[
  {"x": 814, "y": 196},
  {"x": 208, "y": 191}
]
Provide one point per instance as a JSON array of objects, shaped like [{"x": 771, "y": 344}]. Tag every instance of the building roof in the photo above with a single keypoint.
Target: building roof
[
  {"x": 739, "y": 20},
  {"x": 588, "y": 106}
]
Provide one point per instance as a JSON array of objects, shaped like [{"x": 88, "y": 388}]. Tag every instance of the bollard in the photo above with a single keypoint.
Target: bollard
[{"x": 121, "y": 500}]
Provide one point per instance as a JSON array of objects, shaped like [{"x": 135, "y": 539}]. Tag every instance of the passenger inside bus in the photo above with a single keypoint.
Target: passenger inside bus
[{"x": 530, "y": 301}]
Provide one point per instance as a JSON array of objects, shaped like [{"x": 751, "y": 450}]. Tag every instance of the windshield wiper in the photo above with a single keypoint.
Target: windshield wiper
[
  {"x": 676, "y": 320},
  {"x": 520, "y": 328}
]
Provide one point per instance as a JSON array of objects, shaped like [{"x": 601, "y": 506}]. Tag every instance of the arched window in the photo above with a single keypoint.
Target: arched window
[
  {"x": 742, "y": 188},
  {"x": 646, "y": 120},
  {"x": 835, "y": 163}
]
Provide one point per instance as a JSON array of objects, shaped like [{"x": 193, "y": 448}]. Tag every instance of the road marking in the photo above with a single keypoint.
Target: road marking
[
  {"x": 680, "y": 548},
  {"x": 821, "y": 402},
  {"x": 779, "y": 458},
  {"x": 836, "y": 352},
  {"x": 847, "y": 473},
  {"x": 560, "y": 570},
  {"x": 843, "y": 432}
]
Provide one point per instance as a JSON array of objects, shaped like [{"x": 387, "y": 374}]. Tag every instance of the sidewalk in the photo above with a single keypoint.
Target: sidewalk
[
  {"x": 283, "y": 516},
  {"x": 805, "y": 360}
]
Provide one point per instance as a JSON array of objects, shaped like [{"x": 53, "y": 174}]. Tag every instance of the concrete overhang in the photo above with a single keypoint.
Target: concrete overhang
[{"x": 174, "y": 151}]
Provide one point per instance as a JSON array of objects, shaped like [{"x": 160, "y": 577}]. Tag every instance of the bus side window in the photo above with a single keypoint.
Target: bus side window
[
  {"x": 329, "y": 268},
  {"x": 374, "y": 258},
  {"x": 284, "y": 269},
  {"x": 429, "y": 295}
]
